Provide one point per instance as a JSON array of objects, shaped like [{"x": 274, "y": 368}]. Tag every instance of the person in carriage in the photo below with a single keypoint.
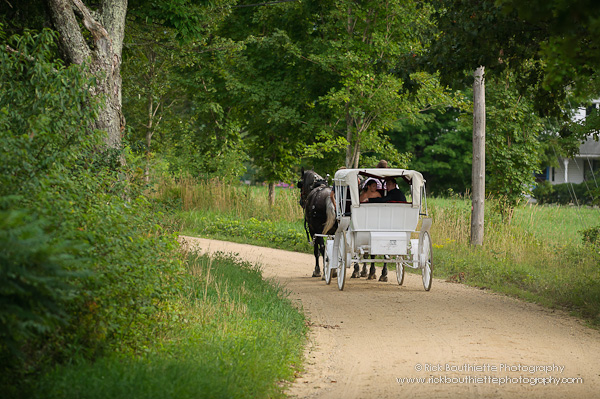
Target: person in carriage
[
  {"x": 393, "y": 192},
  {"x": 369, "y": 191}
]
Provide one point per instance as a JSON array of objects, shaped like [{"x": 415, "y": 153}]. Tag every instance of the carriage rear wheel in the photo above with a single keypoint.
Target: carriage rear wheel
[
  {"x": 341, "y": 271},
  {"x": 426, "y": 262},
  {"x": 327, "y": 268},
  {"x": 400, "y": 270},
  {"x": 327, "y": 261}
]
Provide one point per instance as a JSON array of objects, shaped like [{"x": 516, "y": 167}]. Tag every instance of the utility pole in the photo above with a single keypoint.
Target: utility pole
[{"x": 478, "y": 172}]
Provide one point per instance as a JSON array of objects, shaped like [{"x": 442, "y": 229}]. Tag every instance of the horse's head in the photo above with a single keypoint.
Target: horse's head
[{"x": 309, "y": 180}]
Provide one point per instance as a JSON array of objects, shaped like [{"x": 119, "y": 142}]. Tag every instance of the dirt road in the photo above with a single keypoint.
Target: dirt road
[{"x": 377, "y": 340}]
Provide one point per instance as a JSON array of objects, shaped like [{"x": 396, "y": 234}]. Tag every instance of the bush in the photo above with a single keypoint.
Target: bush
[
  {"x": 543, "y": 192},
  {"x": 33, "y": 280},
  {"x": 592, "y": 236},
  {"x": 85, "y": 264},
  {"x": 566, "y": 193}
]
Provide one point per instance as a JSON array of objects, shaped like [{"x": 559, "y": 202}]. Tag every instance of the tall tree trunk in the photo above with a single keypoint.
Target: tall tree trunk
[
  {"x": 349, "y": 147},
  {"x": 271, "y": 193},
  {"x": 149, "y": 133},
  {"x": 478, "y": 172},
  {"x": 102, "y": 51}
]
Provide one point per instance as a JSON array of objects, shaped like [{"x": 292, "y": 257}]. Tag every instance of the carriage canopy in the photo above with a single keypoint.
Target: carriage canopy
[{"x": 349, "y": 177}]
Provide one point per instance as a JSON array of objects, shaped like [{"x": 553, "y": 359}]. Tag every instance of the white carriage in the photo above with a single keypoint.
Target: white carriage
[{"x": 386, "y": 229}]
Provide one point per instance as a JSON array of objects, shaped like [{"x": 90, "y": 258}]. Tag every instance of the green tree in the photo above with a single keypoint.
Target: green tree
[
  {"x": 314, "y": 80},
  {"x": 440, "y": 141},
  {"x": 83, "y": 270},
  {"x": 569, "y": 51},
  {"x": 45, "y": 108},
  {"x": 366, "y": 46},
  {"x": 514, "y": 153},
  {"x": 93, "y": 33},
  {"x": 472, "y": 33},
  {"x": 550, "y": 46},
  {"x": 174, "y": 95},
  {"x": 149, "y": 58},
  {"x": 569, "y": 43}
]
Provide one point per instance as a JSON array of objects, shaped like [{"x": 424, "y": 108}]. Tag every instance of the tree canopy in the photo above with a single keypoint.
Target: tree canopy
[{"x": 213, "y": 89}]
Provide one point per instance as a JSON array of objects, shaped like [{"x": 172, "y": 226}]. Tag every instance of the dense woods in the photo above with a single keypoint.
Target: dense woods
[{"x": 100, "y": 100}]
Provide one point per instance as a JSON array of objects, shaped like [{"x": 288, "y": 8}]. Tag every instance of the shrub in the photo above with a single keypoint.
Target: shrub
[
  {"x": 565, "y": 193},
  {"x": 85, "y": 264},
  {"x": 33, "y": 279},
  {"x": 543, "y": 192},
  {"x": 591, "y": 236}
]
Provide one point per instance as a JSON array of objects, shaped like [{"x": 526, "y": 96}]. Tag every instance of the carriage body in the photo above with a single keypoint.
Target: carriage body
[{"x": 386, "y": 229}]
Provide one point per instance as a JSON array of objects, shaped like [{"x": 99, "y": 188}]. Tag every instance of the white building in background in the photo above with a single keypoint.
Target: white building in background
[{"x": 586, "y": 165}]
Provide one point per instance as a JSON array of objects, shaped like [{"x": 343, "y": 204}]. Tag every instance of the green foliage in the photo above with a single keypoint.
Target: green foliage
[
  {"x": 543, "y": 42},
  {"x": 25, "y": 14},
  {"x": 43, "y": 107},
  {"x": 566, "y": 193},
  {"x": 34, "y": 280},
  {"x": 570, "y": 29},
  {"x": 440, "y": 141},
  {"x": 543, "y": 192},
  {"x": 88, "y": 272},
  {"x": 592, "y": 236},
  {"x": 171, "y": 105},
  {"x": 512, "y": 149},
  {"x": 470, "y": 33},
  {"x": 86, "y": 264},
  {"x": 367, "y": 92},
  {"x": 306, "y": 96}
]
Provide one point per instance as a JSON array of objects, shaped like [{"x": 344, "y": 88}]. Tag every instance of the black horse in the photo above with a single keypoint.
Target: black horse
[{"x": 319, "y": 213}]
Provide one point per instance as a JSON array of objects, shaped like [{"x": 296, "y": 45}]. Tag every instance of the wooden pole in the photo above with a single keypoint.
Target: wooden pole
[{"x": 478, "y": 172}]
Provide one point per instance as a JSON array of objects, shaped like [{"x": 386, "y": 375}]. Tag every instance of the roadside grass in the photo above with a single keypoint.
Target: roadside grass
[
  {"x": 556, "y": 224},
  {"x": 236, "y": 213},
  {"x": 231, "y": 335},
  {"x": 243, "y": 202},
  {"x": 538, "y": 257},
  {"x": 285, "y": 235}
]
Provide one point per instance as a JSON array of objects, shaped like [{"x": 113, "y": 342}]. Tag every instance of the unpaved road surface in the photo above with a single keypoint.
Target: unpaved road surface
[{"x": 371, "y": 339}]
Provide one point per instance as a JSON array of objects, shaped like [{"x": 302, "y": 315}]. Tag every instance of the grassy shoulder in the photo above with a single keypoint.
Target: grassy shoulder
[
  {"x": 286, "y": 235},
  {"x": 229, "y": 334},
  {"x": 539, "y": 256}
]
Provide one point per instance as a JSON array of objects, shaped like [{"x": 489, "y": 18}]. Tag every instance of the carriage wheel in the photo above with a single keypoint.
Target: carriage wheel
[
  {"x": 341, "y": 272},
  {"x": 400, "y": 270},
  {"x": 425, "y": 261},
  {"x": 327, "y": 264},
  {"x": 327, "y": 269}
]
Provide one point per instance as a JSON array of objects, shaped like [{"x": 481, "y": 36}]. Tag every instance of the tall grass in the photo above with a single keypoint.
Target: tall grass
[
  {"x": 241, "y": 201},
  {"x": 539, "y": 256},
  {"x": 236, "y": 213}
]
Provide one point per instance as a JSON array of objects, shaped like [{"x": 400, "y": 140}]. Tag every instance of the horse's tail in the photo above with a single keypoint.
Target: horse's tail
[{"x": 330, "y": 212}]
